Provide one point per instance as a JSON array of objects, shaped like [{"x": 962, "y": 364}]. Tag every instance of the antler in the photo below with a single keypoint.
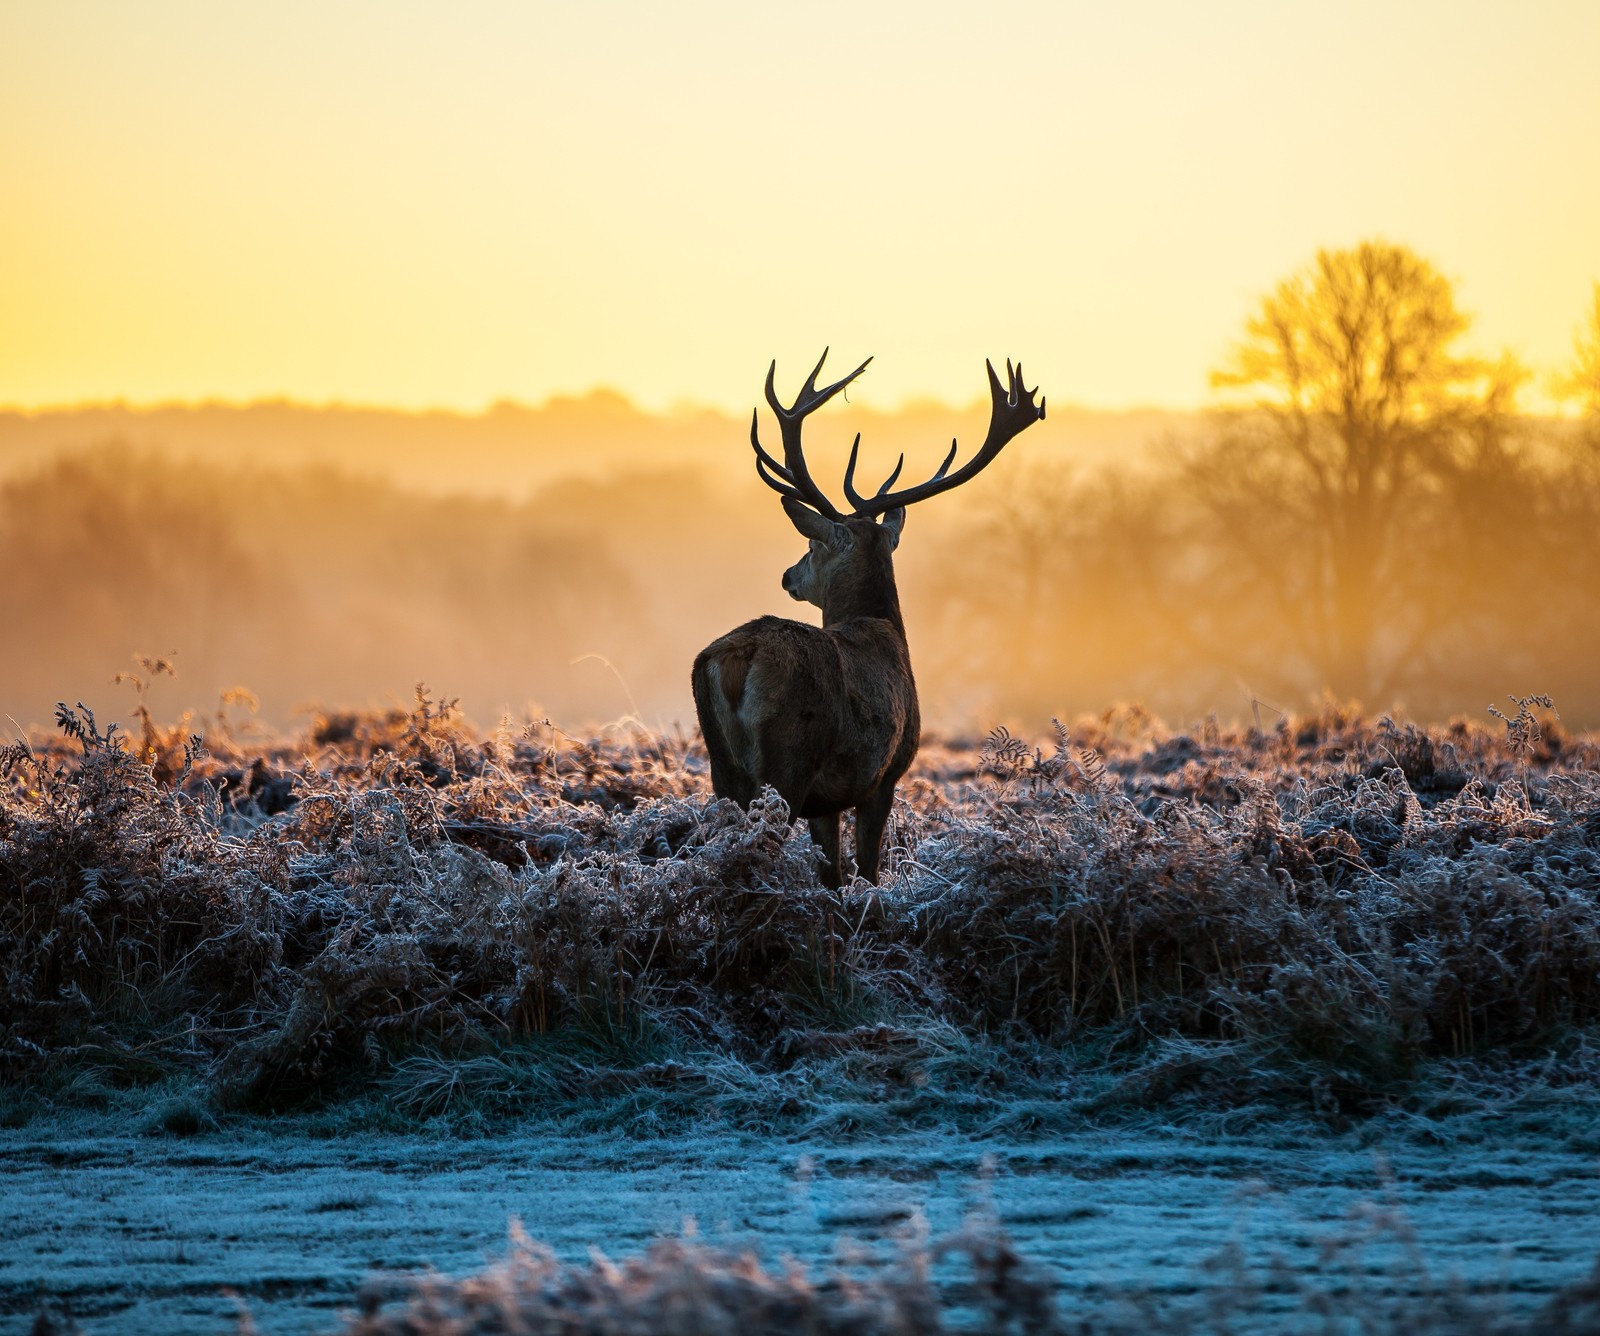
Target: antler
[
  {"x": 791, "y": 478},
  {"x": 1013, "y": 412}
]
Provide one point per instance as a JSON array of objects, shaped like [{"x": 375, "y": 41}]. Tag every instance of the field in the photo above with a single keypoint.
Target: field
[
  {"x": 1233, "y": 961},
  {"x": 401, "y": 981}
]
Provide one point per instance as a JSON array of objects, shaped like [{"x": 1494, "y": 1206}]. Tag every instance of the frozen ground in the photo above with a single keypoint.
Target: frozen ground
[{"x": 153, "y": 1234}]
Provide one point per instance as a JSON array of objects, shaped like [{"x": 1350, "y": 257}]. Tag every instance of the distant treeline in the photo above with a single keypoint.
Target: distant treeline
[
  {"x": 1368, "y": 514},
  {"x": 1044, "y": 592},
  {"x": 1208, "y": 587},
  {"x": 510, "y": 451},
  {"x": 303, "y": 587}
]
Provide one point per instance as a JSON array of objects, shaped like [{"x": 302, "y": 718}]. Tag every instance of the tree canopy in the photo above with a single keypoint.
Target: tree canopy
[
  {"x": 1582, "y": 383},
  {"x": 1353, "y": 405}
]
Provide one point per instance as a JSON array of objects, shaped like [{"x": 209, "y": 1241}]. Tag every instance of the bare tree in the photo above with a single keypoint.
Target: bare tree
[
  {"x": 1349, "y": 405},
  {"x": 1582, "y": 383}
]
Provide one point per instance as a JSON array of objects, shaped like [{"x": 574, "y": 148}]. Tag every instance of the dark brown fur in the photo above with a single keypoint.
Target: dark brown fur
[{"x": 827, "y": 716}]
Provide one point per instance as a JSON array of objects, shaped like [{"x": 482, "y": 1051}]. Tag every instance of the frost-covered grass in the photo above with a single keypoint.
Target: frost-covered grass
[
  {"x": 1338, "y": 916},
  {"x": 395, "y": 931},
  {"x": 680, "y": 1287},
  {"x": 1115, "y": 1229}
]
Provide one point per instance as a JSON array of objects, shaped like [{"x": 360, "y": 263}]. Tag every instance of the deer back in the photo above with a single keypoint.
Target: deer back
[{"x": 826, "y": 715}]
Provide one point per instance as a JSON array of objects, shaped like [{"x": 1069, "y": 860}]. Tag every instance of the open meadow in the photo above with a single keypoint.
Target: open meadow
[{"x": 1143, "y": 1028}]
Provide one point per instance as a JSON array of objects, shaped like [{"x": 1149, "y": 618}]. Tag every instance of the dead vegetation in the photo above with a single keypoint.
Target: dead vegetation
[
  {"x": 972, "y": 1281},
  {"x": 683, "y": 1285},
  {"x": 524, "y": 921},
  {"x": 1372, "y": 1278}
]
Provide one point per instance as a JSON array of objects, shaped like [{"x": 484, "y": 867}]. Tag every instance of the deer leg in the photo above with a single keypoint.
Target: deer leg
[
  {"x": 824, "y": 829},
  {"x": 871, "y": 818},
  {"x": 825, "y": 835},
  {"x": 727, "y": 779},
  {"x": 774, "y": 763}
]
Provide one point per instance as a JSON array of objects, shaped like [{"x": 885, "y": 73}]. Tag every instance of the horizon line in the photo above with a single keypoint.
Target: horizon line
[{"x": 596, "y": 394}]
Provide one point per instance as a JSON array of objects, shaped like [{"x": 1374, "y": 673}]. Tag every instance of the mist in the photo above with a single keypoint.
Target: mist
[{"x": 568, "y": 562}]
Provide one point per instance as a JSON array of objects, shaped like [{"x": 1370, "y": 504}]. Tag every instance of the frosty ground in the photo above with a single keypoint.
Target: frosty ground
[
  {"x": 1251, "y": 1023},
  {"x": 156, "y": 1233}
]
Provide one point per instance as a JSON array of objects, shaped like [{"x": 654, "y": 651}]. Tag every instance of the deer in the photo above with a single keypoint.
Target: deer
[{"x": 828, "y": 716}]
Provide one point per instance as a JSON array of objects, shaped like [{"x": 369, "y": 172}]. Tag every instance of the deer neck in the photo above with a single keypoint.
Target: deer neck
[{"x": 867, "y": 593}]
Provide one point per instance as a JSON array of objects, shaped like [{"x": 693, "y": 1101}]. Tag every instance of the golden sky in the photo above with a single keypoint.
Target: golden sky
[{"x": 444, "y": 205}]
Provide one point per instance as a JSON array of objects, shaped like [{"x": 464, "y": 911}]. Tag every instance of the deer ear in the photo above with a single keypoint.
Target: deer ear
[
  {"x": 811, "y": 523},
  {"x": 893, "y": 521}
]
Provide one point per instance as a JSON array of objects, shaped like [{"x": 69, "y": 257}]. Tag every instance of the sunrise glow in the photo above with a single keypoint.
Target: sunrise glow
[{"x": 408, "y": 205}]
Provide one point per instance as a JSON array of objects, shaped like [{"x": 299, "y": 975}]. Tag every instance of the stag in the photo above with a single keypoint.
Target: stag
[{"x": 828, "y": 716}]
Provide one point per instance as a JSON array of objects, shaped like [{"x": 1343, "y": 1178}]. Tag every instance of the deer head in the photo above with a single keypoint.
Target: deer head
[
  {"x": 840, "y": 552},
  {"x": 849, "y": 556}
]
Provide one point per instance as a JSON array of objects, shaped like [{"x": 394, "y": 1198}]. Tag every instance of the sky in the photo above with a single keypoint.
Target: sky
[{"x": 444, "y": 206}]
